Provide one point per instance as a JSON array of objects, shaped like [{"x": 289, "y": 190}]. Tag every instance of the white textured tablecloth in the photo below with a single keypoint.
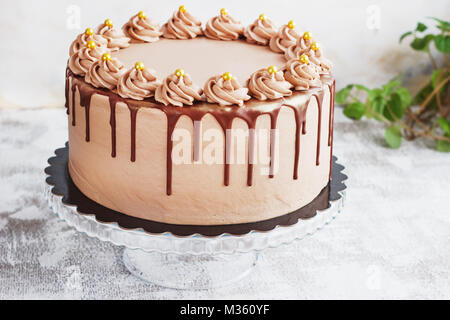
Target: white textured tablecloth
[{"x": 393, "y": 240}]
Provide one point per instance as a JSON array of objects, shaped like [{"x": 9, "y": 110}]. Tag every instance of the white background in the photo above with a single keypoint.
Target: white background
[{"x": 35, "y": 36}]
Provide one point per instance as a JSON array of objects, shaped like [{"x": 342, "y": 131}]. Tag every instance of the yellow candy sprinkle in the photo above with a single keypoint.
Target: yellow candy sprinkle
[
  {"x": 108, "y": 23},
  {"x": 106, "y": 57},
  {"x": 272, "y": 69},
  {"x": 304, "y": 59},
  {"x": 262, "y": 17},
  {"x": 227, "y": 76},
  {"x": 291, "y": 24},
  {"x": 91, "y": 44},
  {"x": 139, "y": 66},
  {"x": 307, "y": 36},
  {"x": 182, "y": 9},
  {"x": 224, "y": 12},
  {"x": 89, "y": 32},
  {"x": 142, "y": 15},
  {"x": 179, "y": 73},
  {"x": 315, "y": 46}
]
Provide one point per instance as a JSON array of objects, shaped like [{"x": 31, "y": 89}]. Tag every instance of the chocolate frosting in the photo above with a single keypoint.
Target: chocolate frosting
[
  {"x": 82, "y": 60},
  {"x": 264, "y": 85},
  {"x": 303, "y": 76},
  {"x": 182, "y": 25},
  {"x": 260, "y": 31},
  {"x": 137, "y": 84},
  {"x": 82, "y": 39},
  {"x": 224, "y": 27},
  {"x": 115, "y": 37},
  {"x": 105, "y": 73},
  {"x": 225, "y": 92},
  {"x": 177, "y": 91},
  {"x": 142, "y": 30},
  {"x": 285, "y": 38}
]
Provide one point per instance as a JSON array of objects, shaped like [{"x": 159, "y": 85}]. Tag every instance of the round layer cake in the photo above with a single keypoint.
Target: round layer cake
[{"x": 199, "y": 125}]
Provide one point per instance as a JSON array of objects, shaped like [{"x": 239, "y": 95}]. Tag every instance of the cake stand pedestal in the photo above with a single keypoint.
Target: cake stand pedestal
[{"x": 189, "y": 262}]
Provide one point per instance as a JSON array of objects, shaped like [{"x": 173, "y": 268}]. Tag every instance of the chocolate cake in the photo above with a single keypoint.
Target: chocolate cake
[{"x": 201, "y": 125}]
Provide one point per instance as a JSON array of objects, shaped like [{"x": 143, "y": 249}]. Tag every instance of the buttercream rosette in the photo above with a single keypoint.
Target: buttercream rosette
[
  {"x": 105, "y": 72},
  {"x": 137, "y": 83},
  {"x": 303, "y": 76},
  {"x": 82, "y": 39},
  {"x": 116, "y": 38},
  {"x": 269, "y": 84},
  {"x": 285, "y": 38},
  {"x": 224, "y": 27},
  {"x": 178, "y": 90},
  {"x": 182, "y": 25},
  {"x": 226, "y": 91},
  {"x": 260, "y": 31},
  {"x": 82, "y": 60},
  {"x": 302, "y": 46},
  {"x": 316, "y": 57},
  {"x": 142, "y": 29}
]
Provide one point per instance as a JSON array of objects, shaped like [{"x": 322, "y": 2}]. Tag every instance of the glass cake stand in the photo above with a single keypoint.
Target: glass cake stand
[{"x": 191, "y": 262}]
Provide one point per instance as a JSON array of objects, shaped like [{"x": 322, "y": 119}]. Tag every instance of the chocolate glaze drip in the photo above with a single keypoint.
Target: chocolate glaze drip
[
  {"x": 112, "y": 122},
  {"x": 224, "y": 116}
]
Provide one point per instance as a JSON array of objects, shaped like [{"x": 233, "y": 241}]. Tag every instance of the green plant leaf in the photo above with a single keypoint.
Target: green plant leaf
[
  {"x": 361, "y": 87},
  {"x": 355, "y": 110},
  {"x": 442, "y": 43},
  {"x": 342, "y": 95},
  {"x": 435, "y": 76},
  {"x": 377, "y": 106},
  {"x": 394, "y": 108},
  {"x": 375, "y": 93},
  {"x": 445, "y": 125},
  {"x": 393, "y": 137},
  {"x": 422, "y": 44},
  {"x": 421, "y": 27},
  {"x": 443, "y": 25},
  {"x": 405, "y": 97},
  {"x": 443, "y": 146},
  {"x": 390, "y": 86},
  {"x": 406, "y": 34}
]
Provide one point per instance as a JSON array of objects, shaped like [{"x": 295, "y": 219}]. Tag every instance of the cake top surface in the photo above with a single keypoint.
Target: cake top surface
[
  {"x": 183, "y": 61},
  {"x": 201, "y": 57}
]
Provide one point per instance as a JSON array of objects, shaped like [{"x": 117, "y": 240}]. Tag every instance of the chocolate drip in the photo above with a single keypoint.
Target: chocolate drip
[
  {"x": 300, "y": 122},
  {"x": 332, "y": 89},
  {"x": 85, "y": 102},
  {"x": 74, "y": 88},
  {"x": 112, "y": 122},
  {"x": 224, "y": 116},
  {"x": 172, "y": 120},
  {"x": 319, "y": 98},
  {"x": 133, "y": 115},
  {"x": 67, "y": 93}
]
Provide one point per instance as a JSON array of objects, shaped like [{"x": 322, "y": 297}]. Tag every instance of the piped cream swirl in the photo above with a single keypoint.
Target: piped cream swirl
[
  {"x": 260, "y": 31},
  {"x": 316, "y": 57},
  {"x": 142, "y": 29},
  {"x": 224, "y": 27},
  {"x": 116, "y": 38},
  {"x": 82, "y": 60},
  {"x": 137, "y": 84},
  {"x": 285, "y": 38},
  {"x": 182, "y": 25},
  {"x": 265, "y": 85},
  {"x": 225, "y": 92},
  {"x": 302, "y": 76},
  {"x": 178, "y": 91},
  {"x": 302, "y": 46},
  {"x": 82, "y": 39},
  {"x": 105, "y": 73}
]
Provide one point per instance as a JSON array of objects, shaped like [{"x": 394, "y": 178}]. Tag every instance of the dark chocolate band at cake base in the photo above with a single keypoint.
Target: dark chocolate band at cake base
[
  {"x": 225, "y": 118},
  {"x": 59, "y": 177}
]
